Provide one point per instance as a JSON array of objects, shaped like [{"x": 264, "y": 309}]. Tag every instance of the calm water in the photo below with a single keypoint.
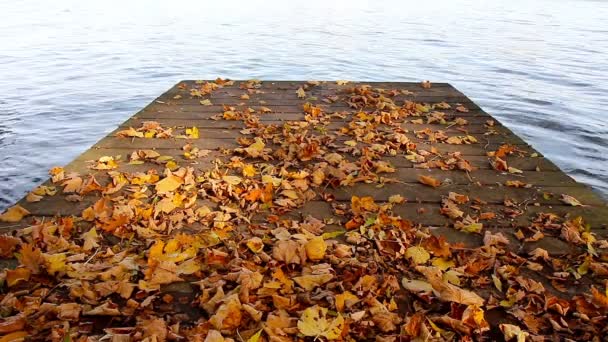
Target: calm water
[{"x": 70, "y": 71}]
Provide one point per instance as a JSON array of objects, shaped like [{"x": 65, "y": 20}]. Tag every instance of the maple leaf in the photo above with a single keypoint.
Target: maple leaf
[
  {"x": 30, "y": 257},
  {"x": 313, "y": 322},
  {"x": 91, "y": 239},
  {"x": 7, "y": 245}
]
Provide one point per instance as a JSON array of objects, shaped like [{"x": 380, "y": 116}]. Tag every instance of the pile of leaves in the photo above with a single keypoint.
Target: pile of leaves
[{"x": 226, "y": 252}]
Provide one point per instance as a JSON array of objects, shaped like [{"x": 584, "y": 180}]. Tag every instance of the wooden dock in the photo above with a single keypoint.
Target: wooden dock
[{"x": 404, "y": 209}]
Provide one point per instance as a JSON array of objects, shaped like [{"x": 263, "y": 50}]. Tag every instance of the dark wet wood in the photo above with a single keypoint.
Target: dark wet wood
[{"x": 177, "y": 109}]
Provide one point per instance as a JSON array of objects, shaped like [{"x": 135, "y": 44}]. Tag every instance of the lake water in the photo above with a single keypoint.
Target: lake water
[{"x": 70, "y": 71}]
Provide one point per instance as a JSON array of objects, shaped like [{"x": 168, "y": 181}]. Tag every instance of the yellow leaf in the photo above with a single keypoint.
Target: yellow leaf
[
  {"x": 192, "y": 133},
  {"x": 206, "y": 102},
  {"x": 350, "y": 143},
  {"x": 254, "y": 150},
  {"x": 55, "y": 263},
  {"x": 315, "y": 248},
  {"x": 309, "y": 282},
  {"x": 418, "y": 254},
  {"x": 334, "y": 234},
  {"x": 255, "y": 337},
  {"x": 32, "y": 197},
  {"x": 72, "y": 185},
  {"x": 14, "y": 214},
  {"x": 314, "y": 322},
  {"x": 342, "y": 82},
  {"x": 244, "y": 97},
  {"x": 168, "y": 184},
  {"x": 301, "y": 93},
  {"x": 290, "y": 194},
  {"x": 510, "y": 331},
  {"x": 171, "y": 165},
  {"x": 17, "y": 275},
  {"x": 232, "y": 180},
  {"x": 90, "y": 239},
  {"x": 248, "y": 170},
  {"x": 345, "y": 299},
  {"x": 396, "y": 199},
  {"x": 165, "y": 205},
  {"x": 416, "y": 286},
  {"x": 443, "y": 264},
  {"x": 255, "y": 244},
  {"x": 131, "y": 132}
]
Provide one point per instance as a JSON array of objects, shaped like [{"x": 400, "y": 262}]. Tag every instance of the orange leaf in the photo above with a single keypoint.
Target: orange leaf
[{"x": 428, "y": 180}]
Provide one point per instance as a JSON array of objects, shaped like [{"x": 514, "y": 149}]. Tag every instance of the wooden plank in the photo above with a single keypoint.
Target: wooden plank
[
  {"x": 231, "y": 134},
  {"x": 333, "y": 125},
  {"x": 283, "y": 108},
  {"x": 481, "y": 162},
  {"x": 211, "y": 143}
]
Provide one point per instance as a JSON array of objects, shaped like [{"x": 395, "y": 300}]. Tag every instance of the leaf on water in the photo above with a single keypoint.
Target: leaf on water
[
  {"x": 14, "y": 214},
  {"x": 206, "y": 102},
  {"x": 314, "y": 323},
  {"x": 342, "y": 82}
]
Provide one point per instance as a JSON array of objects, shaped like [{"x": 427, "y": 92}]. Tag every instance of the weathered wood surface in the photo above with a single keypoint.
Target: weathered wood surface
[{"x": 178, "y": 110}]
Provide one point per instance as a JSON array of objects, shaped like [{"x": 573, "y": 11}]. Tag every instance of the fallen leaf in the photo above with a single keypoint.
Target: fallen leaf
[
  {"x": 570, "y": 200},
  {"x": 418, "y": 254},
  {"x": 315, "y": 248},
  {"x": 301, "y": 93},
  {"x": 14, "y": 214},
  {"x": 313, "y": 322},
  {"x": 428, "y": 180}
]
